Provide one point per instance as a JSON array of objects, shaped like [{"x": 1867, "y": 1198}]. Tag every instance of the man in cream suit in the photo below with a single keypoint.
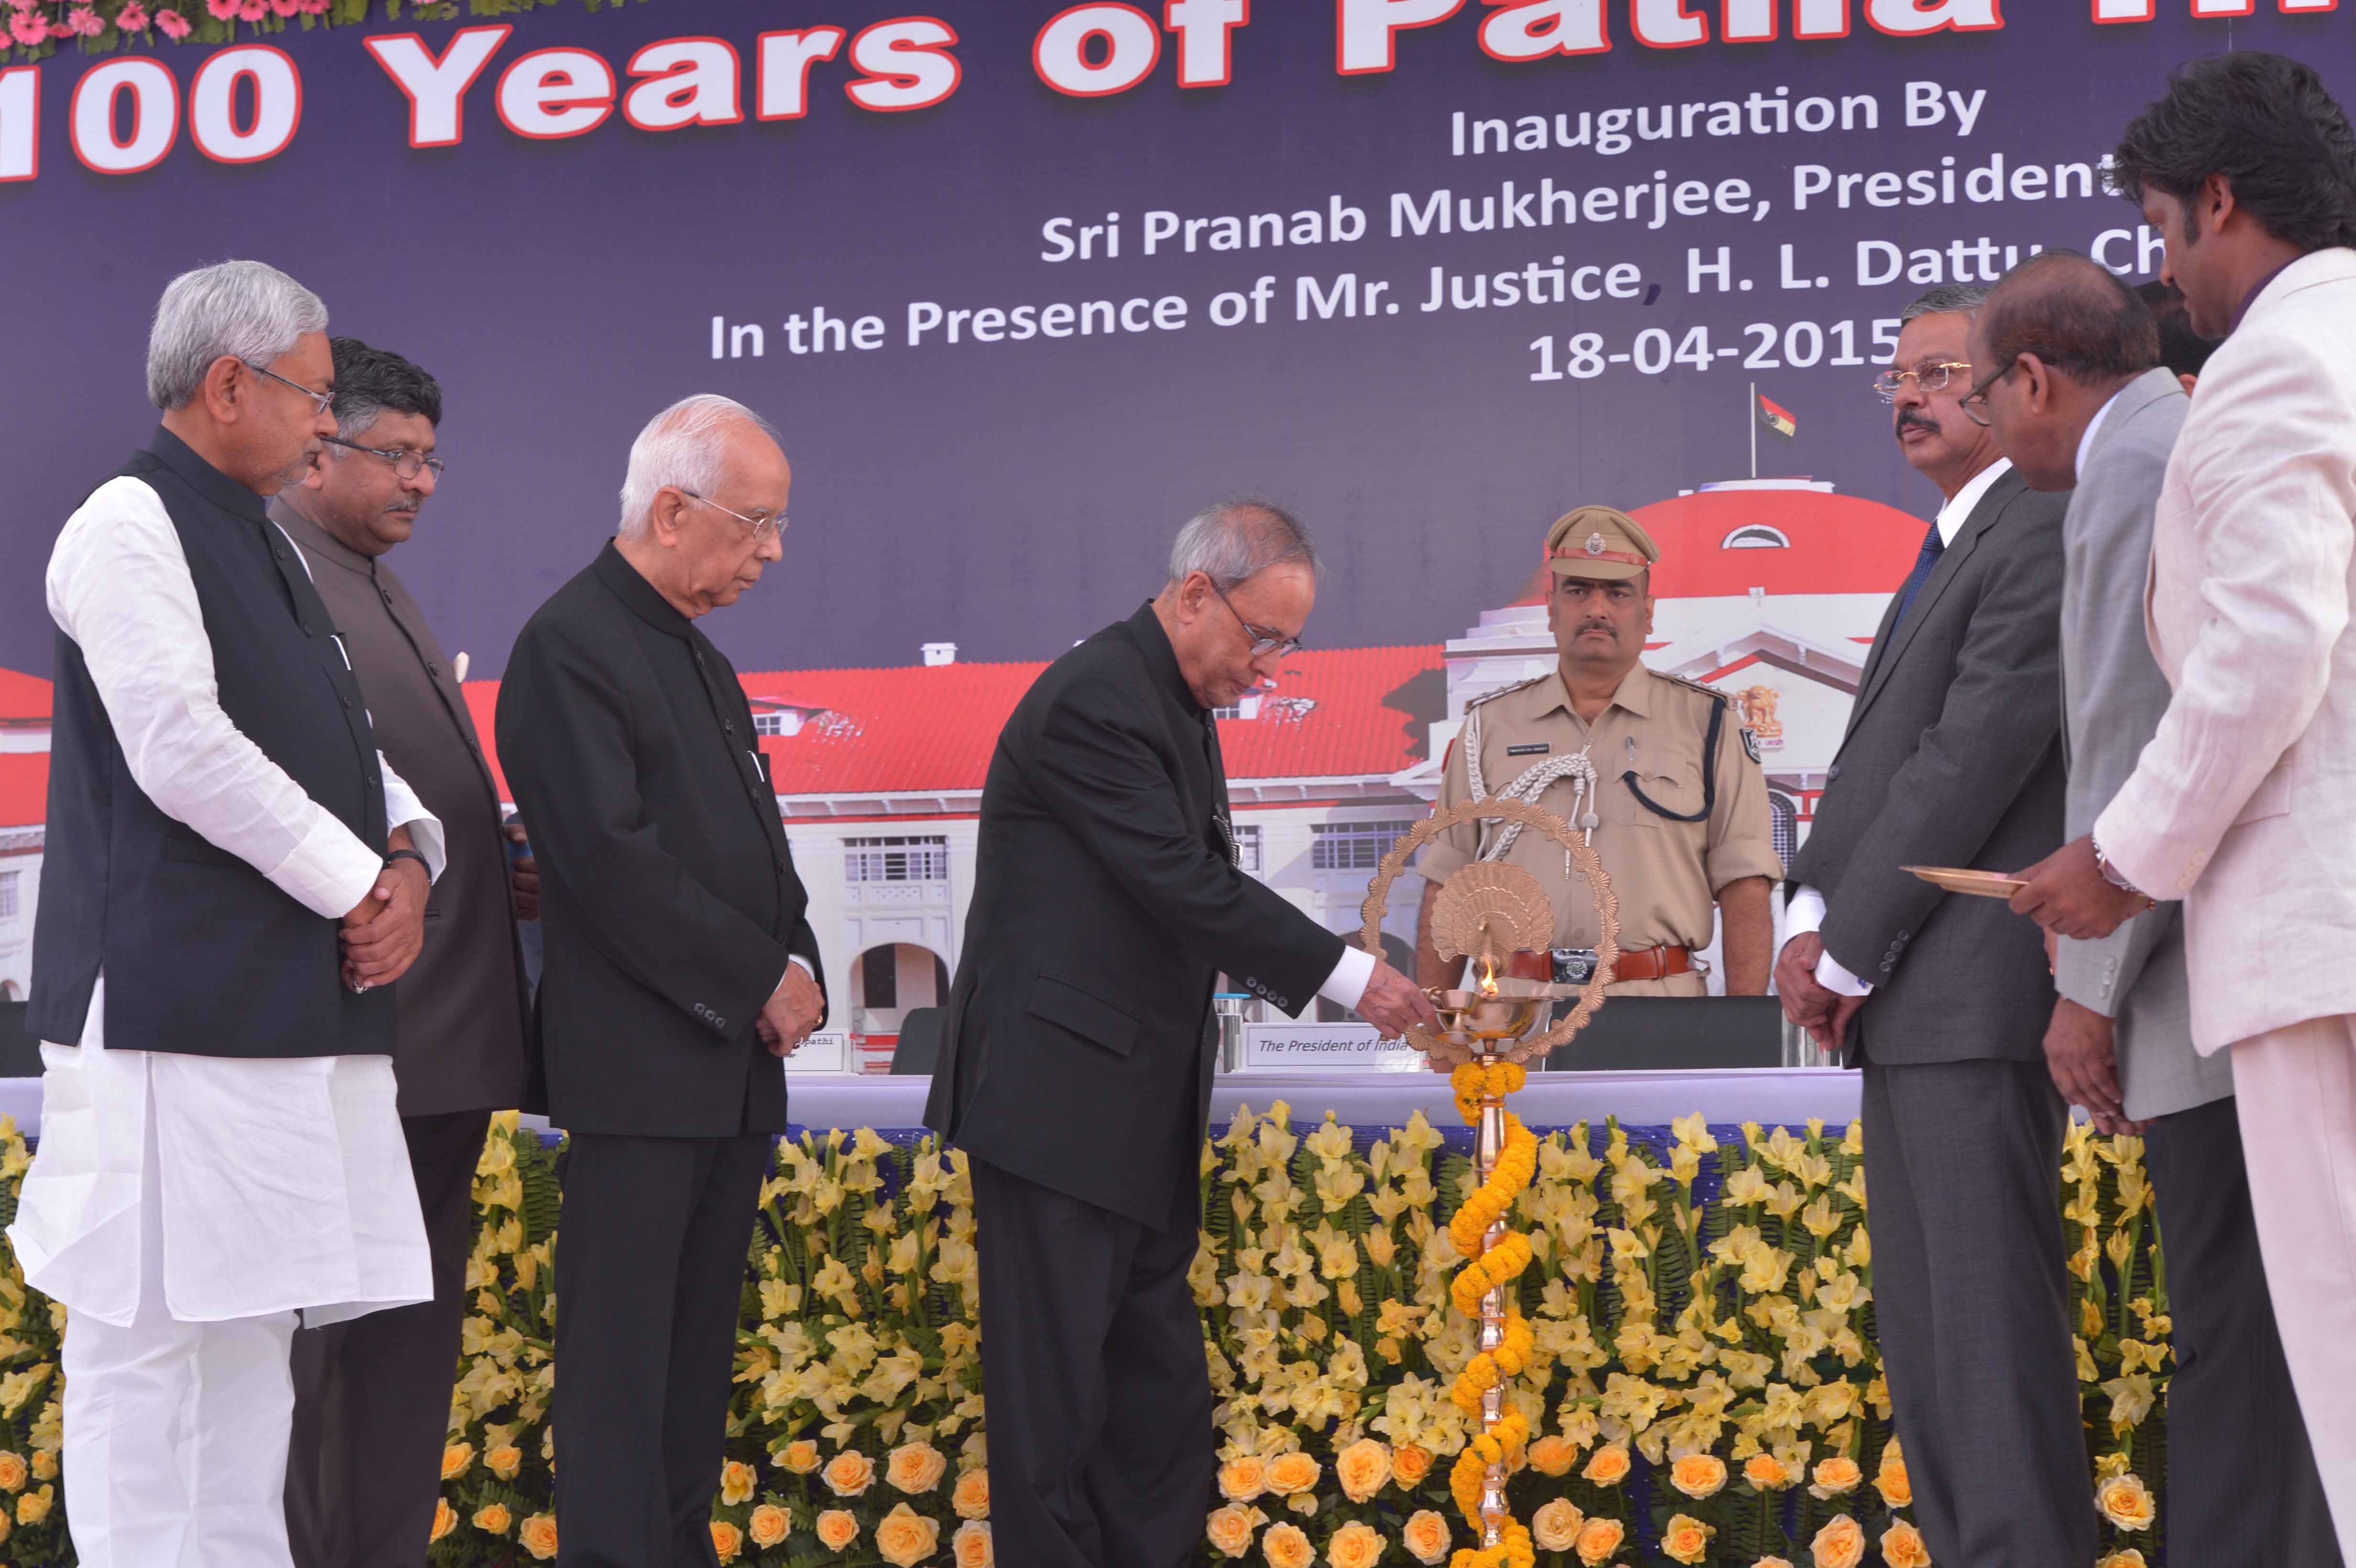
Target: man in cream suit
[
  {"x": 2239, "y": 806},
  {"x": 2072, "y": 384}
]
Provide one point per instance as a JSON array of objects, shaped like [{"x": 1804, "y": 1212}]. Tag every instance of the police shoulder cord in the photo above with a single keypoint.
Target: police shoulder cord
[{"x": 1533, "y": 781}]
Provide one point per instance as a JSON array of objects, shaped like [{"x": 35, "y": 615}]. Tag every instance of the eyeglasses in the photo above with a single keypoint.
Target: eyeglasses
[
  {"x": 1265, "y": 640},
  {"x": 405, "y": 463},
  {"x": 1975, "y": 404},
  {"x": 320, "y": 401},
  {"x": 1930, "y": 377},
  {"x": 763, "y": 528}
]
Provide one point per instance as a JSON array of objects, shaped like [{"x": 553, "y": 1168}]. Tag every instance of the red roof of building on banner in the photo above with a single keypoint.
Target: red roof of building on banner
[
  {"x": 483, "y": 702},
  {"x": 1717, "y": 543},
  {"x": 24, "y": 788},
  {"x": 24, "y": 700}
]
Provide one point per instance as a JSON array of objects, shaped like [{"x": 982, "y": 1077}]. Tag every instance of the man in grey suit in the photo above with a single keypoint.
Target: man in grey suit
[
  {"x": 2071, "y": 381},
  {"x": 1954, "y": 758},
  {"x": 372, "y": 1395}
]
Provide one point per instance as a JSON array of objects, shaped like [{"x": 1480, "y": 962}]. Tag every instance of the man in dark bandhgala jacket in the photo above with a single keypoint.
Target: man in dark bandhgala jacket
[
  {"x": 679, "y": 967},
  {"x": 1953, "y": 757},
  {"x": 371, "y": 1411},
  {"x": 1076, "y": 1069}
]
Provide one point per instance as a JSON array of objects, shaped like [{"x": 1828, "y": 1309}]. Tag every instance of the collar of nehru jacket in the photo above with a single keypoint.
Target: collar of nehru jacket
[
  {"x": 642, "y": 598},
  {"x": 1145, "y": 627},
  {"x": 318, "y": 540},
  {"x": 205, "y": 479}
]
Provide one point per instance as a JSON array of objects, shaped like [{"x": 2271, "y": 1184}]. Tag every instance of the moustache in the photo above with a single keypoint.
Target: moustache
[{"x": 1914, "y": 417}]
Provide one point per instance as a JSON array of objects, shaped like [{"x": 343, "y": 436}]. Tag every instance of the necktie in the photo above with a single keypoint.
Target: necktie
[{"x": 1934, "y": 546}]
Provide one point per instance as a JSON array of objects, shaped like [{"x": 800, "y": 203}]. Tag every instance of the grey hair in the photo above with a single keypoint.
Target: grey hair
[
  {"x": 1947, "y": 299},
  {"x": 1235, "y": 541},
  {"x": 681, "y": 448},
  {"x": 241, "y": 310}
]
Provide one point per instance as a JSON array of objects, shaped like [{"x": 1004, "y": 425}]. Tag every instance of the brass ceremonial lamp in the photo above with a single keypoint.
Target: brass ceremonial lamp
[{"x": 1497, "y": 916}]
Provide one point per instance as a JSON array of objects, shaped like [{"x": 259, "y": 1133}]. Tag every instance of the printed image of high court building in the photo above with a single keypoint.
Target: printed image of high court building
[{"x": 1768, "y": 590}]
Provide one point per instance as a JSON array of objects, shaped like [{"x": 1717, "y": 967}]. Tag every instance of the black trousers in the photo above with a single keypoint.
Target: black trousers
[
  {"x": 1971, "y": 1294},
  {"x": 649, "y": 1275},
  {"x": 372, "y": 1393},
  {"x": 1101, "y": 1448},
  {"x": 2242, "y": 1488}
]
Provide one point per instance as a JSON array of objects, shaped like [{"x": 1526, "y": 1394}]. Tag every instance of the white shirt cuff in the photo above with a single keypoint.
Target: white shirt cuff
[
  {"x": 403, "y": 808},
  {"x": 1804, "y": 912},
  {"x": 1347, "y": 985},
  {"x": 793, "y": 958}
]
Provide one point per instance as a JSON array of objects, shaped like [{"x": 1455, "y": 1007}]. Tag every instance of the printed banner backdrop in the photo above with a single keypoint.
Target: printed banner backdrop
[
  {"x": 1026, "y": 284},
  {"x": 1012, "y": 496}
]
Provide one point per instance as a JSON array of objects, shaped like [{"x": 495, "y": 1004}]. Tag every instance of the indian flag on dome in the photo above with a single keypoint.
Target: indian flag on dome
[{"x": 1776, "y": 418}]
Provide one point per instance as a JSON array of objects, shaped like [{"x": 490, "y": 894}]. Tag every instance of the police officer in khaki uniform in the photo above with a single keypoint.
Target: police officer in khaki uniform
[{"x": 1660, "y": 769}]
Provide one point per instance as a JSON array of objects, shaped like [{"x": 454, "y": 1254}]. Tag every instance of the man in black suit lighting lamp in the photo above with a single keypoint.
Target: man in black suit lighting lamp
[
  {"x": 1075, "y": 1065},
  {"x": 677, "y": 949}
]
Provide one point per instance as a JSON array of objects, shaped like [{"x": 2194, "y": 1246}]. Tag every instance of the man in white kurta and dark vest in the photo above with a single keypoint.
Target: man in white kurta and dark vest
[
  {"x": 372, "y": 1395},
  {"x": 234, "y": 879}
]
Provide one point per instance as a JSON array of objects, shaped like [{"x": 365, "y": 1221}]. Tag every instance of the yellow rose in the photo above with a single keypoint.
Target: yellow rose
[
  {"x": 1767, "y": 1473},
  {"x": 1891, "y": 1480},
  {"x": 836, "y": 1529},
  {"x": 2127, "y": 1558},
  {"x": 1901, "y": 1546},
  {"x": 1362, "y": 1468},
  {"x": 1425, "y": 1538},
  {"x": 1552, "y": 1456},
  {"x": 971, "y": 1547},
  {"x": 33, "y": 1507},
  {"x": 492, "y": 1518},
  {"x": 906, "y": 1538},
  {"x": 726, "y": 1539},
  {"x": 970, "y": 1496},
  {"x": 1289, "y": 1475},
  {"x": 1699, "y": 1476},
  {"x": 45, "y": 1461},
  {"x": 455, "y": 1458},
  {"x": 1241, "y": 1480},
  {"x": 849, "y": 1473},
  {"x": 1687, "y": 1538},
  {"x": 2126, "y": 1502},
  {"x": 445, "y": 1519},
  {"x": 537, "y": 1535},
  {"x": 1355, "y": 1545},
  {"x": 1772, "y": 1562},
  {"x": 1409, "y": 1464},
  {"x": 800, "y": 1457},
  {"x": 736, "y": 1482},
  {"x": 768, "y": 1525},
  {"x": 1598, "y": 1539},
  {"x": 1608, "y": 1466},
  {"x": 1230, "y": 1529},
  {"x": 1556, "y": 1526},
  {"x": 13, "y": 1473},
  {"x": 1836, "y": 1476},
  {"x": 915, "y": 1468},
  {"x": 1285, "y": 1546},
  {"x": 1840, "y": 1544},
  {"x": 505, "y": 1461}
]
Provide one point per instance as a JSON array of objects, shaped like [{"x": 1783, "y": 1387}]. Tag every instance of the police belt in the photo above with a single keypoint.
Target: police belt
[{"x": 1576, "y": 966}]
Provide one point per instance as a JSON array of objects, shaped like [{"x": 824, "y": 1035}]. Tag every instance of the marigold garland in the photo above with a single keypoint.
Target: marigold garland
[{"x": 1487, "y": 1270}]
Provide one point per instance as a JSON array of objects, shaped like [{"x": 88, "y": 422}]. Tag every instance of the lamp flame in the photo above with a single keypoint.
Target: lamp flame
[{"x": 1488, "y": 975}]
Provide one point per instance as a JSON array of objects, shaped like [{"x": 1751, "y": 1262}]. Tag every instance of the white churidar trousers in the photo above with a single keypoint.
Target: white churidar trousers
[
  {"x": 175, "y": 1433},
  {"x": 2296, "y": 1088}
]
